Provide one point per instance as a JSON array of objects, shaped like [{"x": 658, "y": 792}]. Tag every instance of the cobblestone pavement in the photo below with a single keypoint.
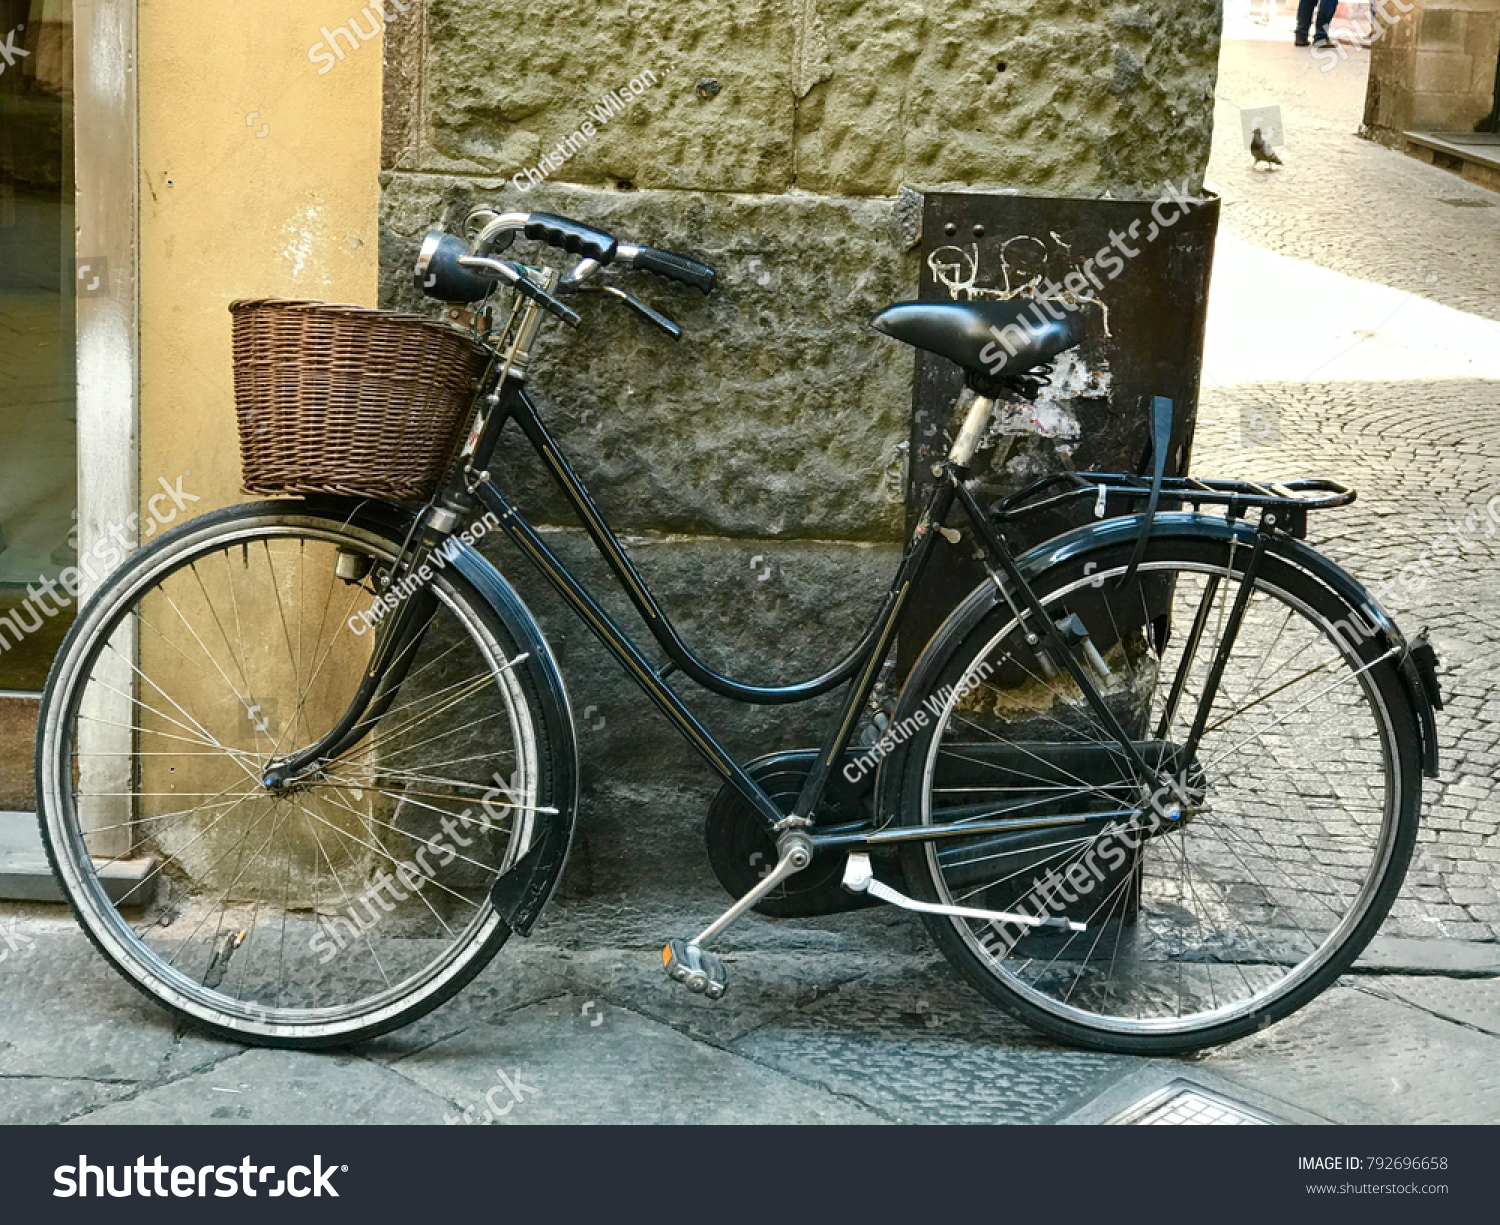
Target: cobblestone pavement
[
  {"x": 856, "y": 1018},
  {"x": 1423, "y": 450}
]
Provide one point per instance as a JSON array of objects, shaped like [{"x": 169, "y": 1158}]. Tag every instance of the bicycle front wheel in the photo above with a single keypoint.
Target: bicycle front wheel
[
  {"x": 1230, "y": 902},
  {"x": 341, "y": 906}
]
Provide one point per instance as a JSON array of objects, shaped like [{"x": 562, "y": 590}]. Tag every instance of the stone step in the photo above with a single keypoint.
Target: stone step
[
  {"x": 26, "y": 876},
  {"x": 1474, "y": 156}
]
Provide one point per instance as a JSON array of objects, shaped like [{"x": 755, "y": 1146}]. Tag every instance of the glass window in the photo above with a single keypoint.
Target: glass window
[{"x": 37, "y": 417}]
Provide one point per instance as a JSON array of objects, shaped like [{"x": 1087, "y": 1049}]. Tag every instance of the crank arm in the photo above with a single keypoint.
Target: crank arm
[
  {"x": 796, "y": 856},
  {"x": 859, "y": 877},
  {"x": 699, "y": 970}
]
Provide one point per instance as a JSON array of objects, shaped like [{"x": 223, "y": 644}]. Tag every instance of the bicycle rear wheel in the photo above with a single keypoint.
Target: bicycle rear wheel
[
  {"x": 350, "y": 902},
  {"x": 1303, "y": 800}
]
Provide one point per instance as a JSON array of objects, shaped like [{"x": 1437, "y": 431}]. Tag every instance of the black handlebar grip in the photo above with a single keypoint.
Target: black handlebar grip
[
  {"x": 540, "y": 296},
  {"x": 572, "y": 236},
  {"x": 674, "y": 267}
]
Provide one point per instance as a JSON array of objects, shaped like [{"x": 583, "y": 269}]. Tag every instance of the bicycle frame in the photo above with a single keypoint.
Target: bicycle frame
[
  {"x": 470, "y": 486},
  {"x": 861, "y": 664}
]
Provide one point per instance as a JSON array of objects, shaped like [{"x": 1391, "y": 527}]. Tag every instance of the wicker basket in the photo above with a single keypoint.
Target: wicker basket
[{"x": 341, "y": 399}]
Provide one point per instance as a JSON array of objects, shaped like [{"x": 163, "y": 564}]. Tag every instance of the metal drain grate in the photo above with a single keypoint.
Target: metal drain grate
[{"x": 1182, "y": 1103}]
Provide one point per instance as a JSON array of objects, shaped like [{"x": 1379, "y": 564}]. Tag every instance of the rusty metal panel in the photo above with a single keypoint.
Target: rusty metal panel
[{"x": 1145, "y": 315}]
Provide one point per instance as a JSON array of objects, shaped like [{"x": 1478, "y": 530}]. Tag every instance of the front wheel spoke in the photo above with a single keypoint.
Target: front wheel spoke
[
  {"x": 156, "y": 871},
  {"x": 339, "y": 881},
  {"x": 239, "y": 846},
  {"x": 348, "y": 784},
  {"x": 467, "y": 901},
  {"x": 407, "y": 834},
  {"x": 473, "y": 687},
  {"x": 217, "y": 801},
  {"x": 195, "y": 724},
  {"x": 207, "y": 741},
  {"x": 202, "y": 646},
  {"x": 479, "y": 680},
  {"x": 403, "y": 750},
  {"x": 233, "y": 754},
  {"x": 396, "y": 863}
]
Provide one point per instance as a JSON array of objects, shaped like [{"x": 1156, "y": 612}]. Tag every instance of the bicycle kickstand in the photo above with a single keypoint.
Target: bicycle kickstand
[{"x": 700, "y": 971}]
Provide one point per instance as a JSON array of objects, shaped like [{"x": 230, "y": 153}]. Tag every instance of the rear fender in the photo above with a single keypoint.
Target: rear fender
[{"x": 1370, "y": 622}]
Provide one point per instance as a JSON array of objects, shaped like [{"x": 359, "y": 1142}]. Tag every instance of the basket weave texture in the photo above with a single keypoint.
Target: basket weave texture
[{"x": 347, "y": 400}]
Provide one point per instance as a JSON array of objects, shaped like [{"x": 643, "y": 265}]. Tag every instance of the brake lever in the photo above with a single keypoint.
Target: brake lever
[
  {"x": 641, "y": 309},
  {"x": 518, "y": 280}
]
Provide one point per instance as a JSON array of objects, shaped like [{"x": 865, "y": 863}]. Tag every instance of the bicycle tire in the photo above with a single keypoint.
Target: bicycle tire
[{"x": 525, "y": 690}]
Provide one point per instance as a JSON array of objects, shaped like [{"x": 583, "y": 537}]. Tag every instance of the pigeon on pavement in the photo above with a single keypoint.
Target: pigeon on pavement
[{"x": 1261, "y": 151}]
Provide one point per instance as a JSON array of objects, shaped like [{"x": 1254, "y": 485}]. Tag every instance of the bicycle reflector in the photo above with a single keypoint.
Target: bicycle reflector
[{"x": 439, "y": 276}]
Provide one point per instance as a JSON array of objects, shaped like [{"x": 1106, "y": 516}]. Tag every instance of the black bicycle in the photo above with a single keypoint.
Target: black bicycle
[{"x": 304, "y": 765}]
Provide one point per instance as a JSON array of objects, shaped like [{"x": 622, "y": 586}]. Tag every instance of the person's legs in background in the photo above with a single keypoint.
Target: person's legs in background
[
  {"x": 1304, "y": 19},
  {"x": 1325, "y": 15}
]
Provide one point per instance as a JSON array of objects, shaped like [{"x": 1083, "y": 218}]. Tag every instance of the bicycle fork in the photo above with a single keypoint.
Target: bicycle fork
[{"x": 397, "y": 640}]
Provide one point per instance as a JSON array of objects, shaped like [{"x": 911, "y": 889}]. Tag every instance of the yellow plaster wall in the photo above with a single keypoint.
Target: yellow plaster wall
[{"x": 259, "y": 177}]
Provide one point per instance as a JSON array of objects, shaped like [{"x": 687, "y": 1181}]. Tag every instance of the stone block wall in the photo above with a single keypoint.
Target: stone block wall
[
  {"x": 1433, "y": 69},
  {"x": 758, "y": 466}
]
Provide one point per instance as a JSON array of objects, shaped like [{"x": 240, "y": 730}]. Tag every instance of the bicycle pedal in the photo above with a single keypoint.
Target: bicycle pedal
[{"x": 701, "y": 973}]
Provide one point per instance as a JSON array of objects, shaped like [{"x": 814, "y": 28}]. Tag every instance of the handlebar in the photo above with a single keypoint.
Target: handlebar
[
  {"x": 452, "y": 271},
  {"x": 572, "y": 236},
  {"x": 578, "y": 239}
]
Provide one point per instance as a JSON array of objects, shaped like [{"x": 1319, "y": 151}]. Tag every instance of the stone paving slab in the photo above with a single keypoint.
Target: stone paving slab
[
  {"x": 627, "y": 1068},
  {"x": 280, "y": 1087},
  {"x": 1475, "y": 1005},
  {"x": 1357, "y": 1054},
  {"x": 66, "y": 1014},
  {"x": 54, "y": 1099},
  {"x": 919, "y": 1045}
]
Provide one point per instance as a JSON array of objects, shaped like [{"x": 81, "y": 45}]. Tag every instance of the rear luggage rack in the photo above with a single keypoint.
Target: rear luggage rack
[{"x": 1290, "y": 499}]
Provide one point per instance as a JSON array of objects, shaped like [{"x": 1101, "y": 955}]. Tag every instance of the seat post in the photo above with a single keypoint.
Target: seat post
[{"x": 967, "y": 442}]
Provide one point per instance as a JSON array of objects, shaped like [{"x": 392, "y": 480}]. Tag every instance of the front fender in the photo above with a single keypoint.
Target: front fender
[{"x": 521, "y": 893}]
